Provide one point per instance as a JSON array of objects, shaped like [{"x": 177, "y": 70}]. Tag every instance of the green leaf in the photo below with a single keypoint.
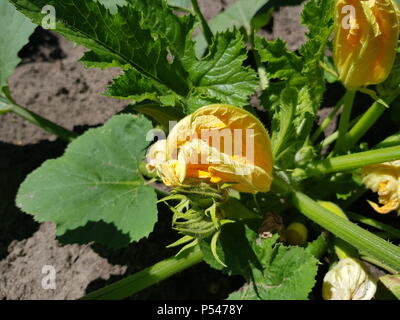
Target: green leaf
[
  {"x": 176, "y": 31},
  {"x": 161, "y": 20},
  {"x": 115, "y": 38},
  {"x": 237, "y": 15},
  {"x": 234, "y": 247},
  {"x": 319, "y": 246},
  {"x": 288, "y": 274},
  {"x": 154, "y": 48},
  {"x": 220, "y": 76},
  {"x": 235, "y": 209},
  {"x": 15, "y": 31},
  {"x": 282, "y": 63},
  {"x": 282, "y": 126},
  {"x": 318, "y": 16},
  {"x": 163, "y": 115},
  {"x": 135, "y": 87},
  {"x": 97, "y": 180},
  {"x": 303, "y": 71},
  {"x": 284, "y": 69}
]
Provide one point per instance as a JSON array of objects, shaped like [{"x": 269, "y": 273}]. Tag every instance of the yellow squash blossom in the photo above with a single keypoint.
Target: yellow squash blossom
[
  {"x": 348, "y": 280},
  {"x": 384, "y": 178},
  {"x": 365, "y": 43},
  {"x": 219, "y": 144}
]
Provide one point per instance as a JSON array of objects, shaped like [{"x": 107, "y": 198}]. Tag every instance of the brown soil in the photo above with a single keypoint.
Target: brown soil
[{"x": 52, "y": 83}]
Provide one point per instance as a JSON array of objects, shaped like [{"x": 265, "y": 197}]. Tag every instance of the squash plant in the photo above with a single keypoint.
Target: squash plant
[{"x": 274, "y": 224}]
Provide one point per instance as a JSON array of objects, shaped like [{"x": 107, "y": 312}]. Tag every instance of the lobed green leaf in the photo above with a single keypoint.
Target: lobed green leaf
[{"x": 96, "y": 180}]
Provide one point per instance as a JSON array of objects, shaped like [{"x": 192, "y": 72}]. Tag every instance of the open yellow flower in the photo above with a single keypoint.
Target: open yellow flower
[
  {"x": 366, "y": 38},
  {"x": 384, "y": 178},
  {"x": 219, "y": 144},
  {"x": 348, "y": 280}
]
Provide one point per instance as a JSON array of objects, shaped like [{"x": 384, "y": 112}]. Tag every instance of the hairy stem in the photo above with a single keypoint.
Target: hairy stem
[
  {"x": 382, "y": 251},
  {"x": 147, "y": 277},
  {"x": 353, "y": 161},
  {"x": 41, "y": 122},
  {"x": 365, "y": 123}
]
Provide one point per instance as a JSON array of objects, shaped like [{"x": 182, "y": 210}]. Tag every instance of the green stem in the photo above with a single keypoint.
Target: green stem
[
  {"x": 379, "y": 249},
  {"x": 327, "y": 121},
  {"x": 333, "y": 137},
  {"x": 204, "y": 24},
  {"x": 366, "y": 122},
  {"x": 374, "y": 223},
  {"x": 345, "y": 120},
  {"x": 43, "y": 123},
  {"x": 353, "y": 161},
  {"x": 147, "y": 277}
]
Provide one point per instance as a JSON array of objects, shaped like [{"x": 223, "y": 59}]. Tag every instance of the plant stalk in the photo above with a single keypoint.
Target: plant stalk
[
  {"x": 333, "y": 137},
  {"x": 382, "y": 251},
  {"x": 353, "y": 161},
  {"x": 365, "y": 123},
  {"x": 344, "y": 121},
  {"x": 147, "y": 277},
  {"x": 43, "y": 123}
]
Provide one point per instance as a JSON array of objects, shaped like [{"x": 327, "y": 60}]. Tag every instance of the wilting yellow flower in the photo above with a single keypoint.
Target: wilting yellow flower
[
  {"x": 219, "y": 144},
  {"x": 384, "y": 179},
  {"x": 348, "y": 280},
  {"x": 366, "y": 38}
]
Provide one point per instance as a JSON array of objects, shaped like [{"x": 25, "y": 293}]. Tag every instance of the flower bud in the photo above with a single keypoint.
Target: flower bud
[
  {"x": 384, "y": 178},
  {"x": 156, "y": 155},
  {"x": 296, "y": 234},
  {"x": 304, "y": 156},
  {"x": 365, "y": 42},
  {"x": 348, "y": 280}
]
